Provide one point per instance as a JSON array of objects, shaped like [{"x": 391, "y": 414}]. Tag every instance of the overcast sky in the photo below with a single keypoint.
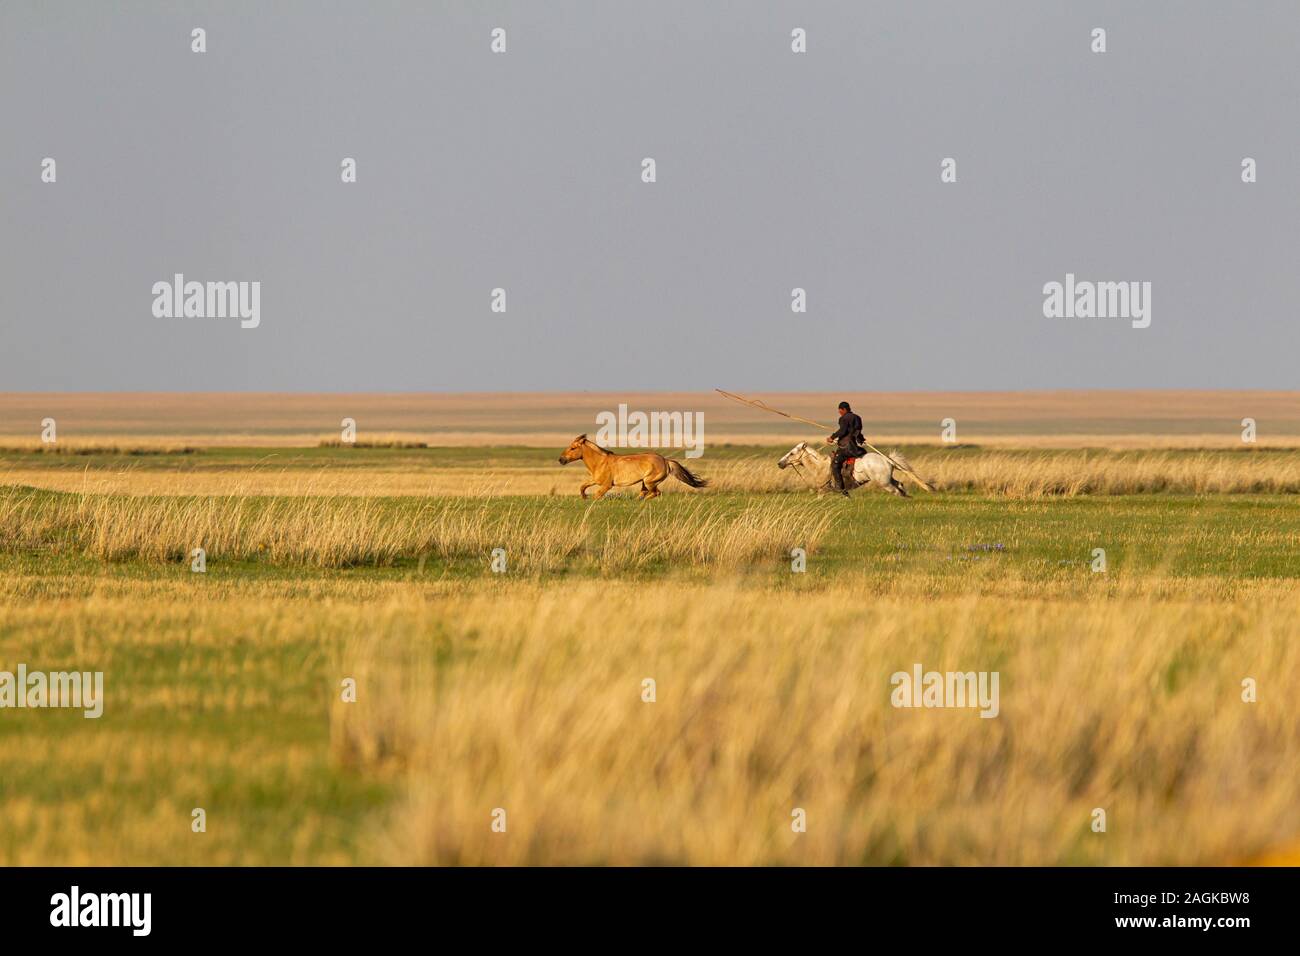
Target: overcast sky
[{"x": 775, "y": 170}]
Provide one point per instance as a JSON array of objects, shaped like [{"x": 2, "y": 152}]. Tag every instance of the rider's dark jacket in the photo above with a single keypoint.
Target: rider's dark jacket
[{"x": 849, "y": 436}]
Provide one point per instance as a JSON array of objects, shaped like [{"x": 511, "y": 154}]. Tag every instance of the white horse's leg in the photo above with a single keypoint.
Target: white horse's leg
[
  {"x": 824, "y": 472},
  {"x": 893, "y": 484},
  {"x": 821, "y": 467}
]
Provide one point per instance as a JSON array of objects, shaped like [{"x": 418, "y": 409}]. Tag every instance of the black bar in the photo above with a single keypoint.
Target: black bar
[{"x": 624, "y": 906}]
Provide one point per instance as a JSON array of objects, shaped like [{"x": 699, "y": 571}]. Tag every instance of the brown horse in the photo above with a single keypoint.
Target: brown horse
[{"x": 608, "y": 469}]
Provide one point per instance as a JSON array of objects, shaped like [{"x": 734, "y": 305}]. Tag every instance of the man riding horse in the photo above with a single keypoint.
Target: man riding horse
[{"x": 849, "y": 438}]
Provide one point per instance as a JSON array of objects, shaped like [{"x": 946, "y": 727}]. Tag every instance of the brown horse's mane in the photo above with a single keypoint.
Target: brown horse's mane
[{"x": 605, "y": 450}]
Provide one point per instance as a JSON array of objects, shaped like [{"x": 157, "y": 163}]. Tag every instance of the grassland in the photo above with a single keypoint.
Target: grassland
[
  {"x": 476, "y": 690},
  {"x": 481, "y": 472}
]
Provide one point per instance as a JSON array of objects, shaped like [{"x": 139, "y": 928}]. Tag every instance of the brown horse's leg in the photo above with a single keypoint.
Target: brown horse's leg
[
  {"x": 585, "y": 485},
  {"x": 659, "y": 480},
  {"x": 600, "y": 491}
]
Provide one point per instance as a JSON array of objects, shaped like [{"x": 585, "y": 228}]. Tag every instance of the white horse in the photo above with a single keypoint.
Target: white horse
[{"x": 815, "y": 468}]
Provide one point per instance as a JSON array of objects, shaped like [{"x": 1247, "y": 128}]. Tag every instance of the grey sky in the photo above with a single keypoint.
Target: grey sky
[{"x": 775, "y": 170}]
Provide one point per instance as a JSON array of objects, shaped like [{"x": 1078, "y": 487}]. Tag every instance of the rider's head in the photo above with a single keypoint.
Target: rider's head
[{"x": 844, "y": 407}]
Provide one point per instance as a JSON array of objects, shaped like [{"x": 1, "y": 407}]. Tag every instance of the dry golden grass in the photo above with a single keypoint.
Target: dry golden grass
[
  {"x": 326, "y": 480},
  {"x": 1013, "y": 473},
  {"x": 767, "y": 702},
  {"x": 1020, "y": 475},
  {"x": 526, "y": 695},
  {"x": 340, "y": 532},
  {"x": 385, "y": 442},
  {"x": 204, "y": 701},
  {"x": 83, "y": 448}
]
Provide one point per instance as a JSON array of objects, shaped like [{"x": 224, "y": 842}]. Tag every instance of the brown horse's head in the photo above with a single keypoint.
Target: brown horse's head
[{"x": 574, "y": 451}]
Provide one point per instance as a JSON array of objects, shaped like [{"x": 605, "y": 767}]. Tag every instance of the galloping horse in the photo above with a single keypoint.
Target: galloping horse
[
  {"x": 608, "y": 469},
  {"x": 815, "y": 468}
]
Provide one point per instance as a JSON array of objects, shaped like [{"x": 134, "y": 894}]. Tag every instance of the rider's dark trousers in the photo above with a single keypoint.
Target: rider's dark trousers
[{"x": 837, "y": 467}]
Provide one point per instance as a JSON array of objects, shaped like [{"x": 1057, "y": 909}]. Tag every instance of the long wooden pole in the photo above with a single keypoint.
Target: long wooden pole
[{"x": 760, "y": 404}]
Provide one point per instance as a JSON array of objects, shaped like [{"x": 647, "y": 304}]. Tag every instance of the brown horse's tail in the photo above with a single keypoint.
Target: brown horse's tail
[{"x": 682, "y": 473}]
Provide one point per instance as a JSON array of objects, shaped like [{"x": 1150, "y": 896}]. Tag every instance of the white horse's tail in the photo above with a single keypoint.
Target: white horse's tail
[
  {"x": 907, "y": 468},
  {"x": 897, "y": 455}
]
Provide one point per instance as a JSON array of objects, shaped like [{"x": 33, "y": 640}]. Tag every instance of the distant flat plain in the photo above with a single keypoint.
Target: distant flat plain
[{"x": 1044, "y": 419}]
